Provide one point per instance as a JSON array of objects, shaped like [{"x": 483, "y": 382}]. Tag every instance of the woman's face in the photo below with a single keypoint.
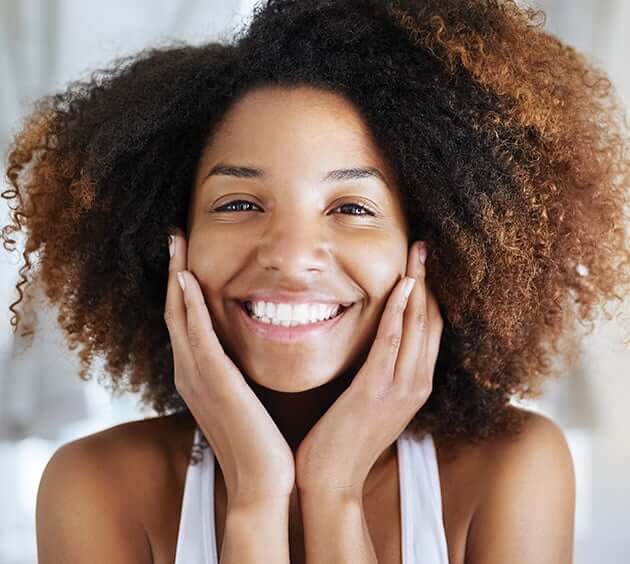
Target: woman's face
[{"x": 294, "y": 230}]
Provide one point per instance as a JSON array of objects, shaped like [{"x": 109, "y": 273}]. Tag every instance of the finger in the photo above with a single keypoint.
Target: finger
[
  {"x": 381, "y": 360},
  {"x": 202, "y": 339},
  {"x": 435, "y": 324},
  {"x": 410, "y": 370},
  {"x": 219, "y": 375},
  {"x": 175, "y": 312},
  {"x": 174, "y": 308}
]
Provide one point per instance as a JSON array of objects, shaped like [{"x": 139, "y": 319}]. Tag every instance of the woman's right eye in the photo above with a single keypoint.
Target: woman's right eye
[{"x": 234, "y": 202}]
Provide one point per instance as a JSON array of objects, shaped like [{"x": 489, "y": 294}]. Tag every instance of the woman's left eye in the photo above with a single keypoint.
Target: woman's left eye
[
  {"x": 354, "y": 205},
  {"x": 359, "y": 207}
]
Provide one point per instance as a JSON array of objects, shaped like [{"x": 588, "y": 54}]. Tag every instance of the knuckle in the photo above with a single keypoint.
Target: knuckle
[
  {"x": 194, "y": 338},
  {"x": 392, "y": 340},
  {"x": 422, "y": 317},
  {"x": 376, "y": 392},
  {"x": 400, "y": 393}
]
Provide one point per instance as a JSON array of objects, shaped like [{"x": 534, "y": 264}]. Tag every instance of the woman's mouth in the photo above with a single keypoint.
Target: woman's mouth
[{"x": 289, "y": 331}]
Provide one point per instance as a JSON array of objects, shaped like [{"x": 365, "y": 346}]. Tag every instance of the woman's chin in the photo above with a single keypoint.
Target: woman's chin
[{"x": 290, "y": 384}]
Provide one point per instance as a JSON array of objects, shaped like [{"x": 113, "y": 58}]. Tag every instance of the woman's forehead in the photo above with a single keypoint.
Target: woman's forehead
[{"x": 304, "y": 127}]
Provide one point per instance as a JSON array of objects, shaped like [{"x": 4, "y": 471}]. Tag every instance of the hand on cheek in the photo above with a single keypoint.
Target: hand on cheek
[{"x": 392, "y": 385}]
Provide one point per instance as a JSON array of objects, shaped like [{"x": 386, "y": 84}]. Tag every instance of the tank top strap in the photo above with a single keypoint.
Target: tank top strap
[
  {"x": 196, "y": 538},
  {"x": 422, "y": 526}
]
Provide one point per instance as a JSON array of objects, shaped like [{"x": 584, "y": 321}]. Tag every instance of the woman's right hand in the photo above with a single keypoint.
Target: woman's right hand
[{"x": 256, "y": 461}]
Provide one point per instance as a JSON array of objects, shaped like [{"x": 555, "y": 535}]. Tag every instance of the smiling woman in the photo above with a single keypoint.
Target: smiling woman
[
  {"x": 294, "y": 243},
  {"x": 308, "y": 172}
]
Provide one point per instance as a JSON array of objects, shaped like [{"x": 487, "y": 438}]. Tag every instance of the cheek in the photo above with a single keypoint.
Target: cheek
[
  {"x": 212, "y": 264},
  {"x": 210, "y": 254},
  {"x": 383, "y": 276},
  {"x": 378, "y": 270}
]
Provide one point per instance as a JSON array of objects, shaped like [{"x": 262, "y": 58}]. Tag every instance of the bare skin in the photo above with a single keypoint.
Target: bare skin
[{"x": 465, "y": 472}]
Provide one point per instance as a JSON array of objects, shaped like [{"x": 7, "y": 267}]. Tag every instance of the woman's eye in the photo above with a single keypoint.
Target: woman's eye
[
  {"x": 363, "y": 210},
  {"x": 360, "y": 207},
  {"x": 234, "y": 202}
]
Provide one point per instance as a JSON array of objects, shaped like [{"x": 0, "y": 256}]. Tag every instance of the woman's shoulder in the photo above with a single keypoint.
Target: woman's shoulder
[
  {"x": 538, "y": 453},
  {"x": 528, "y": 489},
  {"x": 536, "y": 428},
  {"x": 139, "y": 465},
  {"x": 482, "y": 478},
  {"x": 144, "y": 445},
  {"x": 117, "y": 479},
  {"x": 509, "y": 485},
  {"x": 538, "y": 432}
]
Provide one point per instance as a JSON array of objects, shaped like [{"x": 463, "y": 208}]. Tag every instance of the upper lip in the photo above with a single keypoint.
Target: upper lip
[{"x": 285, "y": 297}]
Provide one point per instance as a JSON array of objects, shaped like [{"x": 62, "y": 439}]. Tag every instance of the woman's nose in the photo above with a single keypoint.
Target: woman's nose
[{"x": 293, "y": 246}]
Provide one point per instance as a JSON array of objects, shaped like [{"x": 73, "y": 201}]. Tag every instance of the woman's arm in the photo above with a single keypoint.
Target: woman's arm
[
  {"x": 335, "y": 530},
  {"x": 258, "y": 533},
  {"x": 527, "y": 514}
]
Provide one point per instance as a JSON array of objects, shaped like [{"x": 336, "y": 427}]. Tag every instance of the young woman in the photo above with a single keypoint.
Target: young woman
[{"x": 312, "y": 405}]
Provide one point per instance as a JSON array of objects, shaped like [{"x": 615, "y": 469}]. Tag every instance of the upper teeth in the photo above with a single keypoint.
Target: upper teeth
[{"x": 292, "y": 314}]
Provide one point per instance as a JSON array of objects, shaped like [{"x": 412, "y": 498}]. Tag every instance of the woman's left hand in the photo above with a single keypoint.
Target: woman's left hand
[{"x": 395, "y": 381}]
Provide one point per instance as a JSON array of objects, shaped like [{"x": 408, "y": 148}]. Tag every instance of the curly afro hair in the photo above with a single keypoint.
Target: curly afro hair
[{"x": 507, "y": 146}]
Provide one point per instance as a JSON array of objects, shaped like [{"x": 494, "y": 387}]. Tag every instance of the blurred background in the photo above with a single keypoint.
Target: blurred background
[{"x": 43, "y": 404}]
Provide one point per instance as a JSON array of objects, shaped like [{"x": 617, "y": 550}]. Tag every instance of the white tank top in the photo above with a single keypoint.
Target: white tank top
[{"x": 422, "y": 529}]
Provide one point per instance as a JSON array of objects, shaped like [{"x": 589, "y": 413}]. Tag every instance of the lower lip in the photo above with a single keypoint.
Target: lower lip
[{"x": 289, "y": 334}]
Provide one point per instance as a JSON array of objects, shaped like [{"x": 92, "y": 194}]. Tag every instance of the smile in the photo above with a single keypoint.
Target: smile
[{"x": 275, "y": 331}]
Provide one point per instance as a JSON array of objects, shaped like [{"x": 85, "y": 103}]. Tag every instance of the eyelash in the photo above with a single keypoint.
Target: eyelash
[{"x": 368, "y": 211}]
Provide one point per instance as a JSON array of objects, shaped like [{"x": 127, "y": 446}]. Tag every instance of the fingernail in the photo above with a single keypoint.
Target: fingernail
[
  {"x": 171, "y": 245},
  {"x": 408, "y": 286},
  {"x": 422, "y": 253},
  {"x": 182, "y": 281}
]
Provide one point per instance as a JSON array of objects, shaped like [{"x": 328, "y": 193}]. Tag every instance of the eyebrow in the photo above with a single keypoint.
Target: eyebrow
[{"x": 342, "y": 174}]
